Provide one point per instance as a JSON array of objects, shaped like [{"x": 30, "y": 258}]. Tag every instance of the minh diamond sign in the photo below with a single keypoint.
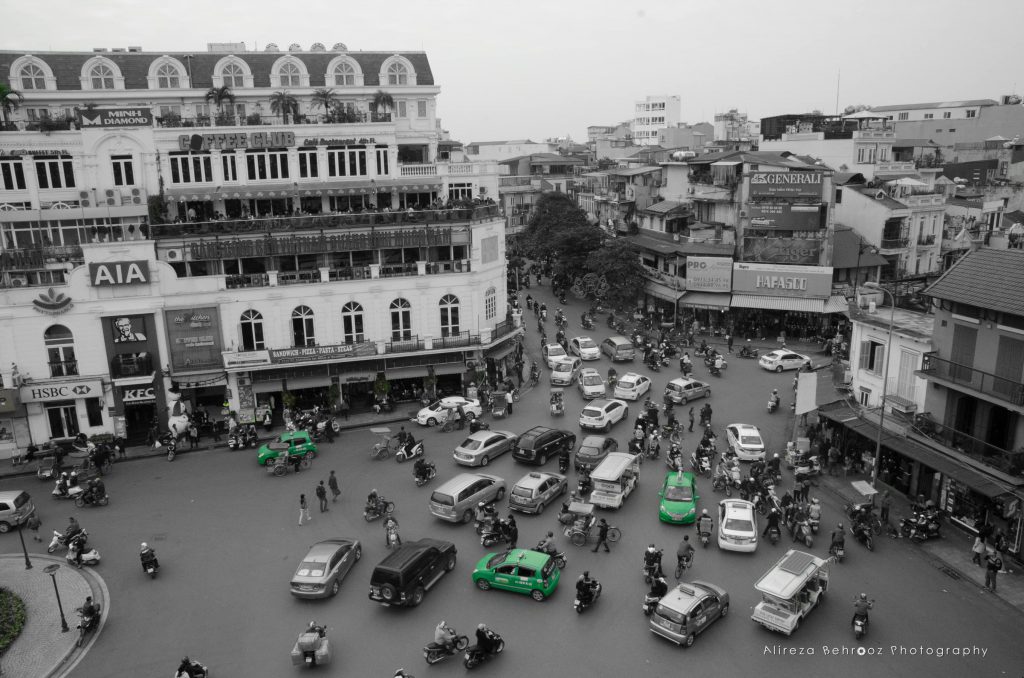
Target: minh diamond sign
[{"x": 116, "y": 117}]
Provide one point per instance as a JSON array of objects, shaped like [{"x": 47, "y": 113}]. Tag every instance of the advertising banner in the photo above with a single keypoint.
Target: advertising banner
[
  {"x": 787, "y": 217},
  {"x": 116, "y": 117},
  {"x": 787, "y": 185},
  {"x": 783, "y": 250},
  {"x": 775, "y": 280},
  {"x": 119, "y": 273},
  {"x": 193, "y": 336},
  {"x": 708, "y": 274},
  {"x": 312, "y": 353},
  {"x": 44, "y": 393}
]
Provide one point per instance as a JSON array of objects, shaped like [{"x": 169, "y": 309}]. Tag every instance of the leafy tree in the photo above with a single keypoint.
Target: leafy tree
[
  {"x": 559, "y": 230},
  {"x": 618, "y": 262},
  {"x": 324, "y": 98},
  {"x": 10, "y": 99},
  {"x": 284, "y": 104},
  {"x": 218, "y": 96},
  {"x": 856, "y": 108}
]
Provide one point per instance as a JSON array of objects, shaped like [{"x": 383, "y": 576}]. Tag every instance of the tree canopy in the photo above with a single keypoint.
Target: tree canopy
[
  {"x": 618, "y": 262},
  {"x": 559, "y": 230}
]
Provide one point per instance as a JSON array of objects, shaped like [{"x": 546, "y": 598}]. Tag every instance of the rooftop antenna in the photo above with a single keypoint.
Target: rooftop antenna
[{"x": 839, "y": 73}]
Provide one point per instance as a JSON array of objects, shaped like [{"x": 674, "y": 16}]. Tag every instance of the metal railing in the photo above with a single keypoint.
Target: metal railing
[
  {"x": 129, "y": 365},
  {"x": 413, "y": 343},
  {"x": 397, "y": 270},
  {"x": 349, "y": 273},
  {"x": 894, "y": 243},
  {"x": 963, "y": 375},
  {"x": 297, "y": 277},
  {"x": 453, "y": 266},
  {"x": 926, "y": 240},
  {"x": 64, "y": 368},
  {"x": 458, "y": 339},
  {"x": 503, "y": 328},
  {"x": 247, "y": 280},
  {"x": 1007, "y": 461}
]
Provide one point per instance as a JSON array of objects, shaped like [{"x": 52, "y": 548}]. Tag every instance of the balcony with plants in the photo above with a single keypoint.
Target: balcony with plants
[{"x": 956, "y": 443}]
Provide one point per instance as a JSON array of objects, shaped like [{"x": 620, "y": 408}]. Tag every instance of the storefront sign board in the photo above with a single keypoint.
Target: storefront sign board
[
  {"x": 193, "y": 336},
  {"x": 775, "y": 280},
  {"x": 787, "y": 185},
  {"x": 709, "y": 274},
  {"x": 46, "y": 393},
  {"x": 783, "y": 250},
  {"x": 786, "y": 217}
]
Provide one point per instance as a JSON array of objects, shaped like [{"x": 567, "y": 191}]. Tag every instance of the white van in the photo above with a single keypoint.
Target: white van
[{"x": 614, "y": 478}]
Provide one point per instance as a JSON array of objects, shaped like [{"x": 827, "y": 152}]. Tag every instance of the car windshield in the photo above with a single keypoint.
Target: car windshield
[
  {"x": 592, "y": 412},
  {"x": 670, "y": 614},
  {"x": 750, "y": 440},
  {"x": 496, "y": 559},
  {"x": 587, "y": 343},
  {"x": 471, "y": 444},
  {"x": 557, "y": 350},
  {"x": 277, "y": 446},
  {"x": 563, "y": 367},
  {"x": 679, "y": 493},
  {"x": 738, "y": 525},
  {"x": 627, "y": 383},
  {"x": 592, "y": 380},
  {"x": 439, "y": 498},
  {"x": 311, "y": 568},
  {"x": 524, "y": 492}
]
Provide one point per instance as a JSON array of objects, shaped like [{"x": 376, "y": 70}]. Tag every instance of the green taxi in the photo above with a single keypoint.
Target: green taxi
[
  {"x": 519, "y": 570},
  {"x": 292, "y": 443},
  {"x": 678, "y": 498}
]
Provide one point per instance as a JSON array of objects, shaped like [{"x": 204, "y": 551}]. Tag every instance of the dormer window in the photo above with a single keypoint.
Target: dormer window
[
  {"x": 102, "y": 77},
  {"x": 398, "y": 74}
]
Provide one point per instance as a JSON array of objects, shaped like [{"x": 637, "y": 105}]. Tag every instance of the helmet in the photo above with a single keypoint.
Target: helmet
[
  {"x": 551, "y": 534},
  {"x": 815, "y": 501},
  {"x": 775, "y": 510},
  {"x": 863, "y": 596},
  {"x": 443, "y": 623},
  {"x": 481, "y": 626},
  {"x": 704, "y": 512},
  {"x": 482, "y": 504},
  {"x": 186, "y": 660},
  {"x": 373, "y": 491},
  {"x": 839, "y": 526},
  {"x": 143, "y": 546},
  {"x": 775, "y": 391},
  {"x": 586, "y": 574},
  {"x": 686, "y": 537},
  {"x": 775, "y": 456},
  {"x": 651, "y": 549},
  {"x": 63, "y": 474}
]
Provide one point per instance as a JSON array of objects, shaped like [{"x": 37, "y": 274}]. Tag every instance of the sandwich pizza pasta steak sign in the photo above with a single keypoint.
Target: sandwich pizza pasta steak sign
[{"x": 802, "y": 185}]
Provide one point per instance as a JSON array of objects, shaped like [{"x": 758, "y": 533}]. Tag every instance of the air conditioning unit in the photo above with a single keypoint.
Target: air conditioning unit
[
  {"x": 136, "y": 200},
  {"x": 136, "y": 192},
  {"x": 743, "y": 213},
  {"x": 689, "y": 191},
  {"x": 83, "y": 199},
  {"x": 110, "y": 193},
  {"x": 19, "y": 280},
  {"x": 111, "y": 202}
]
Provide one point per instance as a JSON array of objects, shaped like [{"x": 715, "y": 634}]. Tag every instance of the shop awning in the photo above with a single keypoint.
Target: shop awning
[
  {"x": 778, "y": 303},
  {"x": 406, "y": 372},
  {"x": 450, "y": 368},
  {"x": 500, "y": 352},
  {"x": 299, "y": 383},
  {"x": 201, "y": 379},
  {"x": 712, "y": 300},
  {"x": 272, "y": 386},
  {"x": 837, "y": 303},
  {"x": 656, "y": 289}
]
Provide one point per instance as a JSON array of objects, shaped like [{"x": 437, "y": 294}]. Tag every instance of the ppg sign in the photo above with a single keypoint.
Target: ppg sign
[{"x": 119, "y": 273}]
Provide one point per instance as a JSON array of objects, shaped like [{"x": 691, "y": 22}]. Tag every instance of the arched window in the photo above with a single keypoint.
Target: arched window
[
  {"x": 233, "y": 75},
  {"x": 290, "y": 75},
  {"x": 352, "y": 322},
  {"x": 344, "y": 74},
  {"x": 167, "y": 77},
  {"x": 302, "y": 327},
  {"x": 398, "y": 74},
  {"x": 401, "y": 320},
  {"x": 32, "y": 77},
  {"x": 102, "y": 77},
  {"x": 60, "y": 351},
  {"x": 252, "y": 331},
  {"x": 490, "y": 303},
  {"x": 449, "y": 315}
]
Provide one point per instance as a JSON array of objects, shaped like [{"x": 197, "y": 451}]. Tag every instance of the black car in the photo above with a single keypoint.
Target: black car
[
  {"x": 404, "y": 577},
  {"x": 541, "y": 443}
]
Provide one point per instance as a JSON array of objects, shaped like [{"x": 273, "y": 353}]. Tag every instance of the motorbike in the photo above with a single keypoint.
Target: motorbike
[
  {"x": 150, "y": 565},
  {"x": 807, "y": 466},
  {"x": 773, "y": 404},
  {"x": 653, "y": 365},
  {"x": 477, "y": 425},
  {"x": 428, "y": 474},
  {"x": 435, "y": 652},
  {"x": 711, "y": 359},
  {"x": 802, "y": 532},
  {"x": 920, "y": 527},
  {"x": 838, "y": 552},
  {"x": 860, "y": 623},
  {"x": 409, "y": 450},
  {"x": 312, "y": 648},
  {"x": 59, "y": 540},
  {"x": 250, "y": 438},
  {"x": 584, "y": 486},
  {"x": 86, "y": 625},
  {"x": 72, "y": 491},
  {"x": 715, "y": 372},
  {"x": 169, "y": 441},
  {"x": 748, "y": 352},
  {"x": 235, "y": 440},
  {"x": 90, "y": 557},
  {"x": 488, "y": 523},
  {"x": 705, "y": 537},
  {"x": 722, "y": 483},
  {"x": 595, "y": 593},
  {"x": 87, "y": 499},
  {"x": 815, "y": 524},
  {"x": 563, "y": 463},
  {"x": 493, "y": 535},
  {"x": 701, "y": 465},
  {"x": 862, "y": 533},
  {"x": 651, "y": 570},
  {"x": 557, "y": 556},
  {"x": 674, "y": 460},
  {"x": 382, "y": 508},
  {"x": 587, "y": 322},
  {"x": 474, "y": 656},
  {"x": 650, "y": 602},
  {"x": 774, "y": 535}
]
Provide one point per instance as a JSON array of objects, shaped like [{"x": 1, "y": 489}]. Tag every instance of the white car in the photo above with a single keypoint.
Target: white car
[
  {"x": 631, "y": 386},
  {"x": 552, "y": 354},
  {"x": 776, "y": 361},
  {"x": 565, "y": 371},
  {"x": 601, "y": 414},
  {"x": 745, "y": 441},
  {"x": 480, "y": 447},
  {"x": 585, "y": 347},
  {"x": 591, "y": 384},
  {"x": 737, "y": 526},
  {"x": 437, "y": 412}
]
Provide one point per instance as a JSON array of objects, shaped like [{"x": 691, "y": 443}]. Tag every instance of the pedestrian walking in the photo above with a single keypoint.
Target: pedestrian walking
[
  {"x": 834, "y": 456},
  {"x": 321, "y": 494},
  {"x": 193, "y": 436},
  {"x": 344, "y": 407},
  {"x": 461, "y": 416},
  {"x": 886, "y": 505},
  {"x": 513, "y": 531},
  {"x": 691, "y": 420},
  {"x": 332, "y": 482},
  {"x": 303, "y": 510},
  {"x": 993, "y": 564},
  {"x": 508, "y": 401},
  {"x": 728, "y": 341},
  {"x": 978, "y": 549},
  {"x": 34, "y": 524},
  {"x": 602, "y": 536}
]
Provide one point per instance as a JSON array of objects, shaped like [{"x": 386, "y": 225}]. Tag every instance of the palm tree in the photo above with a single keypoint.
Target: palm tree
[
  {"x": 218, "y": 95},
  {"x": 10, "y": 99},
  {"x": 382, "y": 102},
  {"x": 284, "y": 104},
  {"x": 324, "y": 98}
]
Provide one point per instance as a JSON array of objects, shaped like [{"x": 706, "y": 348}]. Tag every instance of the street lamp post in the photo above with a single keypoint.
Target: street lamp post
[
  {"x": 885, "y": 379},
  {"x": 21, "y": 536},
  {"x": 52, "y": 571}
]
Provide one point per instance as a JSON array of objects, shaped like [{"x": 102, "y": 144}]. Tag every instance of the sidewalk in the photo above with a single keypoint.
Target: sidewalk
[
  {"x": 951, "y": 553},
  {"x": 42, "y": 650}
]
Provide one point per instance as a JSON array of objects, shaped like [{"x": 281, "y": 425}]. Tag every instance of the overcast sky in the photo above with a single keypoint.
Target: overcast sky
[{"x": 538, "y": 69}]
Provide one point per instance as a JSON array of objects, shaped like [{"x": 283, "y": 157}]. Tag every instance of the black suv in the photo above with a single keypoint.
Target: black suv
[
  {"x": 404, "y": 577},
  {"x": 541, "y": 443}
]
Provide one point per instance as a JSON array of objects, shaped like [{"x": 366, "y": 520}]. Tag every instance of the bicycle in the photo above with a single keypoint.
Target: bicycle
[
  {"x": 683, "y": 564},
  {"x": 386, "y": 446},
  {"x": 450, "y": 422}
]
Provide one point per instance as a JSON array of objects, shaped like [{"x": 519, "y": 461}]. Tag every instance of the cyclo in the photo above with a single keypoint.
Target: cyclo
[
  {"x": 283, "y": 460},
  {"x": 557, "y": 401},
  {"x": 582, "y": 524},
  {"x": 383, "y": 448}
]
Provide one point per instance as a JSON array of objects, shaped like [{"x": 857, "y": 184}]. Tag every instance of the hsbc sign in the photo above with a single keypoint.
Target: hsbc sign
[
  {"x": 142, "y": 394},
  {"x": 119, "y": 273},
  {"x": 45, "y": 393}
]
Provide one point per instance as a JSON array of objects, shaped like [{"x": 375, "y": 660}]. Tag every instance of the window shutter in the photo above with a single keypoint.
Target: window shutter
[
  {"x": 865, "y": 355},
  {"x": 880, "y": 359}
]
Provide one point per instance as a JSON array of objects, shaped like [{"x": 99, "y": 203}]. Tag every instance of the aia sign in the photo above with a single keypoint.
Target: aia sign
[{"x": 119, "y": 273}]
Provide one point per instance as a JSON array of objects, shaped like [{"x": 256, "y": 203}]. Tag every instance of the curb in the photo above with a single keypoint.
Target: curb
[{"x": 101, "y": 594}]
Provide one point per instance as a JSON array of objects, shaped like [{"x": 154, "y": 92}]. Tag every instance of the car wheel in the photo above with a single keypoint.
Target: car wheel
[
  {"x": 431, "y": 422},
  {"x": 483, "y": 584},
  {"x": 725, "y": 610},
  {"x": 335, "y": 587},
  {"x": 388, "y": 592},
  {"x": 688, "y": 641},
  {"x": 778, "y": 369},
  {"x": 450, "y": 565},
  {"x": 417, "y": 597},
  {"x": 485, "y": 460},
  {"x": 682, "y": 400},
  {"x": 500, "y": 495},
  {"x": 537, "y": 595},
  {"x": 467, "y": 516},
  {"x": 359, "y": 553},
  {"x": 5, "y": 528}
]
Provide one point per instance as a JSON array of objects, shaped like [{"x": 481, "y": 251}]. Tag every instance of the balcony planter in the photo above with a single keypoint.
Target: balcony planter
[
  {"x": 381, "y": 346},
  {"x": 428, "y": 343}
]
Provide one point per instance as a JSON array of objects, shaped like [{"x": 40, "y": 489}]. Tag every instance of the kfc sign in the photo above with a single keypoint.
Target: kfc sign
[
  {"x": 119, "y": 273},
  {"x": 142, "y": 394}
]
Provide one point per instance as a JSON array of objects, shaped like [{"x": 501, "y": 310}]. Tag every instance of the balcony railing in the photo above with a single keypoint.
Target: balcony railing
[
  {"x": 503, "y": 328},
  {"x": 1005, "y": 389},
  {"x": 404, "y": 345},
  {"x": 298, "y": 277},
  {"x": 397, "y": 270},
  {"x": 1007, "y": 461},
  {"x": 64, "y": 368},
  {"x": 926, "y": 240},
  {"x": 138, "y": 365},
  {"x": 458, "y": 339},
  {"x": 324, "y": 221},
  {"x": 894, "y": 243},
  {"x": 454, "y": 266},
  {"x": 247, "y": 280},
  {"x": 349, "y": 273}
]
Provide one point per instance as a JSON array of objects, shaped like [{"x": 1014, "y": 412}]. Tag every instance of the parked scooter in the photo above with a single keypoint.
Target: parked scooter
[
  {"x": 59, "y": 540},
  {"x": 235, "y": 439},
  {"x": 745, "y": 352},
  {"x": 921, "y": 527}
]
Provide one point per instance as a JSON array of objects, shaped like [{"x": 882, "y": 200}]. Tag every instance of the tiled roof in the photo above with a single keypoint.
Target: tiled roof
[
  {"x": 666, "y": 206},
  {"x": 885, "y": 199},
  {"x": 134, "y": 66},
  {"x": 986, "y": 278},
  {"x": 936, "y": 104}
]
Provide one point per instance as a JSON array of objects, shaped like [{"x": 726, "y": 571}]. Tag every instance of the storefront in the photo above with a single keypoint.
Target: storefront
[
  {"x": 194, "y": 344},
  {"x": 774, "y": 302},
  {"x": 708, "y": 294},
  {"x": 134, "y": 355},
  {"x": 60, "y": 410}
]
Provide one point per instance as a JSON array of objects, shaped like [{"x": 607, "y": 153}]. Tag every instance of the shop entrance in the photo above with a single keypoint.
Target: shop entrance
[
  {"x": 63, "y": 419},
  {"x": 137, "y": 420}
]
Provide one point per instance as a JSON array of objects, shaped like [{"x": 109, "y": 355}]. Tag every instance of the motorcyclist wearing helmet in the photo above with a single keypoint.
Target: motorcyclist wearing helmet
[
  {"x": 547, "y": 544},
  {"x": 317, "y": 629},
  {"x": 773, "y": 464},
  {"x": 486, "y": 639},
  {"x": 147, "y": 555},
  {"x": 188, "y": 668},
  {"x": 705, "y": 525},
  {"x": 419, "y": 469},
  {"x": 838, "y": 538},
  {"x": 444, "y": 635},
  {"x": 814, "y": 510},
  {"x": 62, "y": 484},
  {"x": 775, "y": 397},
  {"x": 652, "y": 558},
  {"x": 861, "y": 605},
  {"x": 585, "y": 587},
  {"x": 773, "y": 522},
  {"x": 659, "y": 587}
]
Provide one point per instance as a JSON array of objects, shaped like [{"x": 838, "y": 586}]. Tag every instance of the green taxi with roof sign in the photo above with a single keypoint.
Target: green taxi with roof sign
[
  {"x": 292, "y": 443},
  {"x": 520, "y": 570},
  {"x": 678, "y": 498}
]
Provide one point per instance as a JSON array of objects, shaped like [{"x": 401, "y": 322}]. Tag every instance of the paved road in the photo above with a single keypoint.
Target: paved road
[{"x": 228, "y": 540}]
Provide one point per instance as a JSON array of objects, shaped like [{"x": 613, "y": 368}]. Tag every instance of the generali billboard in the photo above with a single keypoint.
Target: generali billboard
[{"x": 806, "y": 185}]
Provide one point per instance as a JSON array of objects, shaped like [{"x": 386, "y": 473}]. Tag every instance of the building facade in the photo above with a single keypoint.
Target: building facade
[{"x": 652, "y": 115}]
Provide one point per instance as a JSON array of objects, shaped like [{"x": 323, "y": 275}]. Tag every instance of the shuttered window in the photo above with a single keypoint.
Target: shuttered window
[
  {"x": 1010, "y": 359},
  {"x": 964, "y": 341}
]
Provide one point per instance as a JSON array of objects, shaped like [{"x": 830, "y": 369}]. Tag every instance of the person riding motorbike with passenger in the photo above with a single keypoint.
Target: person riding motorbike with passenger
[
  {"x": 652, "y": 559},
  {"x": 445, "y": 635},
  {"x": 585, "y": 588},
  {"x": 705, "y": 525},
  {"x": 659, "y": 587},
  {"x": 685, "y": 364},
  {"x": 62, "y": 484},
  {"x": 373, "y": 501},
  {"x": 420, "y": 469},
  {"x": 773, "y": 465},
  {"x": 703, "y": 349},
  {"x": 861, "y": 605},
  {"x": 719, "y": 362},
  {"x": 838, "y": 539}
]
